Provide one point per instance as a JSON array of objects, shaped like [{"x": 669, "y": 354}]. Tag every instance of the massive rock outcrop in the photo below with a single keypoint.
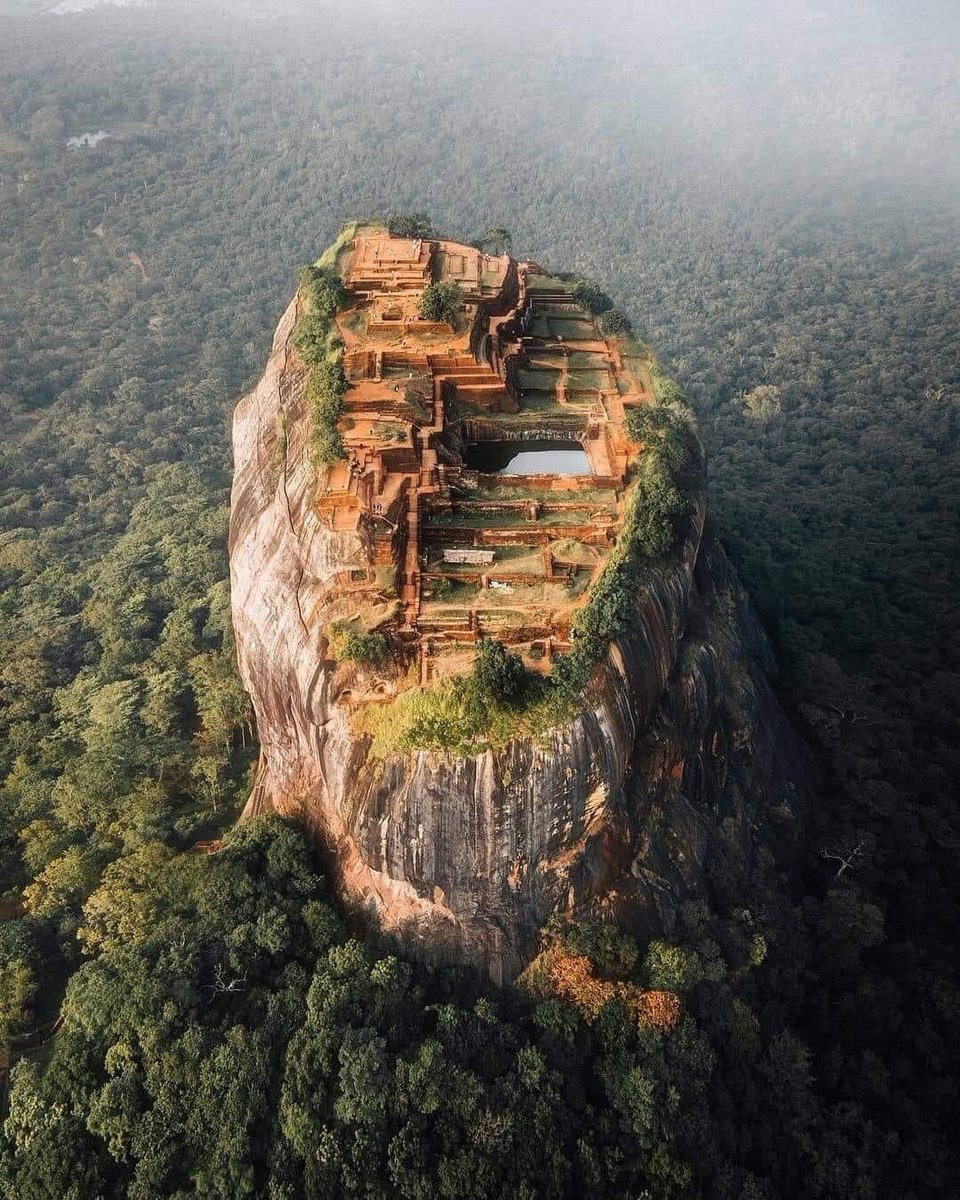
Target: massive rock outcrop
[{"x": 463, "y": 858}]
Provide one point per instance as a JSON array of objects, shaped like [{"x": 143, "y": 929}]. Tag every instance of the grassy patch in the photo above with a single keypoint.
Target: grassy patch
[
  {"x": 548, "y": 283},
  {"x": 348, "y": 644},
  {"x": 328, "y": 259},
  {"x": 539, "y": 378},
  {"x": 588, "y": 378},
  {"x": 450, "y": 717},
  {"x": 496, "y": 491},
  {"x": 571, "y": 551}
]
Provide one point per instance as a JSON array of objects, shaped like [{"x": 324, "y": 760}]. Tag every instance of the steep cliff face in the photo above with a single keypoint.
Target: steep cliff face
[{"x": 463, "y": 858}]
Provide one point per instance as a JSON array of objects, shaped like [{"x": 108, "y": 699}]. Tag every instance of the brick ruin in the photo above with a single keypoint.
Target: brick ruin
[{"x": 459, "y": 549}]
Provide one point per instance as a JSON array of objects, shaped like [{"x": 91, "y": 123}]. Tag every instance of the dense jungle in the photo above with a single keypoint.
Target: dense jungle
[{"x": 770, "y": 194}]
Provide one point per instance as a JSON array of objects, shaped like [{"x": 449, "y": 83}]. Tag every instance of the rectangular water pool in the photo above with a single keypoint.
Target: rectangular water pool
[{"x": 527, "y": 458}]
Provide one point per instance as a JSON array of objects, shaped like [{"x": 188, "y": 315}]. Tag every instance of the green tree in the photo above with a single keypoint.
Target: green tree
[
  {"x": 676, "y": 968},
  {"x": 324, "y": 291},
  {"x": 441, "y": 302},
  {"x": 17, "y": 988},
  {"x": 410, "y": 225},
  {"x": 369, "y": 649},
  {"x": 498, "y": 674},
  {"x": 498, "y": 240},
  {"x": 63, "y": 884},
  {"x": 614, "y": 323},
  {"x": 593, "y": 298}
]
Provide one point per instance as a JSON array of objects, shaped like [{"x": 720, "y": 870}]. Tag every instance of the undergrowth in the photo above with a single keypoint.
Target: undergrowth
[
  {"x": 319, "y": 344},
  {"x": 452, "y": 717}
]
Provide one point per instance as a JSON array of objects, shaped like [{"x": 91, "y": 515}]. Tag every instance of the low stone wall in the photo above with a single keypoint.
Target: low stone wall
[
  {"x": 560, "y": 428},
  {"x": 550, "y": 483},
  {"x": 522, "y": 535}
]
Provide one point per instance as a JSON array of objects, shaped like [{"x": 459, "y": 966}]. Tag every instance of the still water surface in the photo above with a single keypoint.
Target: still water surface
[{"x": 527, "y": 458}]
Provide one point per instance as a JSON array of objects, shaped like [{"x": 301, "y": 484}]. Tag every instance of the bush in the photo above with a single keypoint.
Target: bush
[
  {"x": 441, "y": 302},
  {"x": 665, "y": 389},
  {"x": 498, "y": 674},
  {"x": 676, "y": 968},
  {"x": 614, "y": 323},
  {"x": 318, "y": 344},
  {"x": 410, "y": 225},
  {"x": 323, "y": 290},
  {"x": 370, "y": 649},
  {"x": 365, "y": 649},
  {"x": 591, "y": 296},
  {"x": 441, "y": 589},
  {"x": 662, "y": 430},
  {"x": 611, "y": 951},
  {"x": 312, "y": 338},
  {"x": 325, "y": 390}
]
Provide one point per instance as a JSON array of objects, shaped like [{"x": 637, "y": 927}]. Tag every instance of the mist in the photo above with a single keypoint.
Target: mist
[{"x": 765, "y": 101}]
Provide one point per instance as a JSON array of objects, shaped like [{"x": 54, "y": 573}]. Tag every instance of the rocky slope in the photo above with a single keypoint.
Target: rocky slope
[{"x": 464, "y": 858}]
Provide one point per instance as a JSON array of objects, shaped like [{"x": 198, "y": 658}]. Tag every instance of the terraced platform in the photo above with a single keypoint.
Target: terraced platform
[{"x": 522, "y": 379}]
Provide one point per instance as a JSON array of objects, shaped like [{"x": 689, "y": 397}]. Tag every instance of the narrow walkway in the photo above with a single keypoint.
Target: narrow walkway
[{"x": 410, "y": 587}]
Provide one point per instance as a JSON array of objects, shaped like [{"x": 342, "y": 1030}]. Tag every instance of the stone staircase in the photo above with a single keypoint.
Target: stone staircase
[{"x": 472, "y": 382}]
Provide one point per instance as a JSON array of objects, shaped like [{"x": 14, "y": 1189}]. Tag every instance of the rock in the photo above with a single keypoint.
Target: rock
[{"x": 463, "y": 859}]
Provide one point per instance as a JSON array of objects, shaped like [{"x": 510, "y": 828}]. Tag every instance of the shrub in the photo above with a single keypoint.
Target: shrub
[
  {"x": 497, "y": 238},
  {"x": 591, "y": 296},
  {"x": 610, "y": 950},
  {"x": 665, "y": 389},
  {"x": 441, "y": 302},
  {"x": 422, "y": 407},
  {"x": 498, "y": 674},
  {"x": 323, "y": 290},
  {"x": 319, "y": 345},
  {"x": 367, "y": 649},
  {"x": 410, "y": 225},
  {"x": 614, "y": 323},
  {"x": 325, "y": 390},
  {"x": 441, "y": 589},
  {"x": 654, "y": 518},
  {"x": 314, "y": 338},
  {"x": 674, "y": 967},
  {"x": 662, "y": 430},
  {"x": 353, "y": 645}
]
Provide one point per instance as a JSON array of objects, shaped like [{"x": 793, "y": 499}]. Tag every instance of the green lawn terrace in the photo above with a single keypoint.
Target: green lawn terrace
[
  {"x": 510, "y": 557},
  {"x": 560, "y": 369},
  {"x": 523, "y": 595}
]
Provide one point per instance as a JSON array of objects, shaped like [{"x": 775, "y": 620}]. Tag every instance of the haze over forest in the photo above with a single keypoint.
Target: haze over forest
[{"x": 771, "y": 193}]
